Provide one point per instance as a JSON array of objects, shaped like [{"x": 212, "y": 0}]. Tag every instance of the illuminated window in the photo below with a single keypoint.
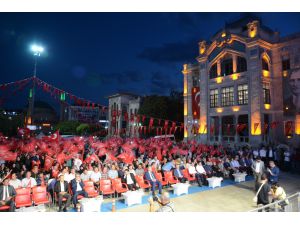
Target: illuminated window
[
  {"x": 285, "y": 65},
  {"x": 213, "y": 72},
  {"x": 265, "y": 64},
  {"x": 267, "y": 95},
  {"x": 227, "y": 96},
  {"x": 243, "y": 94},
  {"x": 241, "y": 64},
  {"x": 214, "y": 98}
]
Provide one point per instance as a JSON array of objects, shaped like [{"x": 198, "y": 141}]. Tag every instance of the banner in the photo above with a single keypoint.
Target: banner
[{"x": 196, "y": 102}]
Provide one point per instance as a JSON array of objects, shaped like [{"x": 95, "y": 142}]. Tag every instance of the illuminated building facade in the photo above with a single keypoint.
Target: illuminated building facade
[{"x": 244, "y": 87}]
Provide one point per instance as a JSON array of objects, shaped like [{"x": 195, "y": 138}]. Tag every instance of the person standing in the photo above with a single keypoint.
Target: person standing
[
  {"x": 287, "y": 159},
  {"x": 263, "y": 191},
  {"x": 7, "y": 194},
  {"x": 273, "y": 172},
  {"x": 61, "y": 189},
  {"x": 263, "y": 154},
  {"x": 258, "y": 168}
]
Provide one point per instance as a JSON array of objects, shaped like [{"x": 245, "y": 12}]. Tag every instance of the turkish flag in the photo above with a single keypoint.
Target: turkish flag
[
  {"x": 55, "y": 136},
  {"x": 48, "y": 163}
]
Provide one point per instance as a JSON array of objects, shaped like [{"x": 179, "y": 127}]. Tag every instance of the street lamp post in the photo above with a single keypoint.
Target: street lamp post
[{"x": 37, "y": 50}]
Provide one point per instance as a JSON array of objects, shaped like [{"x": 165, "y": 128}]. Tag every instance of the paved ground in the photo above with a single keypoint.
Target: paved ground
[{"x": 234, "y": 198}]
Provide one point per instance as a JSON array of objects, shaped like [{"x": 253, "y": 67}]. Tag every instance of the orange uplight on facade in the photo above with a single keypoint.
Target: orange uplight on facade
[
  {"x": 297, "y": 125},
  {"x": 185, "y": 133},
  {"x": 29, "y": 120},
  {"x": 46, "y": 124},
  {"x": 284, "y": 73},
  {"x": 235, "y": 108},
  {"x": 219, "y": 80},
  {"x": 234, "y": 76},
  {"x": 267, "y": 106},
  {"x": 195, "y": 113},
  {"x": 202, "y": 129},
  {"x": 266, "y": 73},
  {"x": 255, "y": 124},
  {"x": 219, "y": 110},
  {"x": 185, "y": 111},
  {"x": 223, "y": 34}
]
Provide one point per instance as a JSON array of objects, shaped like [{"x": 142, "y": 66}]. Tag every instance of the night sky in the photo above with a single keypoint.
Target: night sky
[{"x": 94, "y": 55}]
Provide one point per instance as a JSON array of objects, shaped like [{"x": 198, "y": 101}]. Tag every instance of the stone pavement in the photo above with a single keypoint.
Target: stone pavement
[{"x": 233, "y": 198}]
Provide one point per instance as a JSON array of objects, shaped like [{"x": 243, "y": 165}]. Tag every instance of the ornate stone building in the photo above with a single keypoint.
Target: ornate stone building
[
  {"x": 122, "y": 107},
  {"x": 240, "y": 88}
]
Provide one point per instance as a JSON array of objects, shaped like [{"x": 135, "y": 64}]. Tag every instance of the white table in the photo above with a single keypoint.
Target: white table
[
  {"x": 239, "y": 177},
  {"x": 214, "y": 181},
  {"x": 38, "y": 208},
  {"x": 91, "y": 204},
  {"x": 133, "y": 197},
  {"x": 181, "y": 188}
]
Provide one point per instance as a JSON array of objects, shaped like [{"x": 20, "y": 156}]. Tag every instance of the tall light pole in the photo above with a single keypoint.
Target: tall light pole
[{"x": 37, "y": 50}]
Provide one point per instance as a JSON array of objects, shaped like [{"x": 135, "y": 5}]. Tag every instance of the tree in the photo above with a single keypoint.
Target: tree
[
  {"x": 82, "y": 129},
  {"x": 9, "y": 124},
  {"x": 67, "y": 127}
]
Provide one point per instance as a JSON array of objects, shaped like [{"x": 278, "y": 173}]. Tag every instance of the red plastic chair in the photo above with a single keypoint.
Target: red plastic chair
[
  {"x": 23, "y": 200},
  {"x": 170, "y": 178},
  {"x": 71, "y": 192},
  {"x": 162, "y": 180},
  {"x": 4, "y": 208},
  {"x": 88, "y": 183},
  {"x": 40, "y": 195},
  {"x": 118, "y": 186},
  {"x": 91, "y": 191},
  {"x": 106, "y": 187},
  {"x": 189, "y": 177},
  {"x": 23, "y": 191},
  {"x": 144, "y": 184}
]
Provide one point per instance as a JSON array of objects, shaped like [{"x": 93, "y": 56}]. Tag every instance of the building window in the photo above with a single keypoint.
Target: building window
[
  {"x": 241, "y": 64},
  {"x": 214, "y": 98},
  {"x": 267, "y": 95},
  {"x": 243, "y": 94},
  {"x": 213, "y": 72},
  {"x": 227, "y": 96},
  {"x": 265, "y": 64},
  {"x": 285, "y": 65},
  {"x": 226, "y": 67},
  {"x": 195, "y": 81}
]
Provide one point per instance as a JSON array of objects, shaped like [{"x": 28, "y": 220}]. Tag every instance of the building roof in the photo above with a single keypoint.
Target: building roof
[{"x": 123, "y": 94}]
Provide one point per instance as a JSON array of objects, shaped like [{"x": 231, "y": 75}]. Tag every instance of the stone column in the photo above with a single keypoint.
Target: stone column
[
  {"x": 203, "y": 100},
  {"x": 255, "y": 96},
  {"x": 234, "y": 63},
  {"x": 220, "y": 129},
  {"x": 236, "y": 137}
]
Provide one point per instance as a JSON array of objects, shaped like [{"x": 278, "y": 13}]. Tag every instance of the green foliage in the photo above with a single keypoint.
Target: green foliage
[
  {"x": 82, "y": 129},
  {"x": 67, "y": 127}
]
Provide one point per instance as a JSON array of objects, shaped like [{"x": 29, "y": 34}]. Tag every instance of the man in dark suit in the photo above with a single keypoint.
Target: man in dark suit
[
  {"x": 130, "y": 180},
  {"x": 150, "y": 176},
  {"x": 77, "y": 188},
  {"x": 61, "y": 189},
  {"x": 7, "y": 194},
  {"x": 179, "y": 175}
]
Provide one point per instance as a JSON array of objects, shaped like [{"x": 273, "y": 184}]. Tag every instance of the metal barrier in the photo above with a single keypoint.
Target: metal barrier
[{"x": 280, "y": 206}]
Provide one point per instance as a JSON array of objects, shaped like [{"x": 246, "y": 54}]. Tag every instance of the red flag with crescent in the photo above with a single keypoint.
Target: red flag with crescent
[{"x": 196, "y": 102}]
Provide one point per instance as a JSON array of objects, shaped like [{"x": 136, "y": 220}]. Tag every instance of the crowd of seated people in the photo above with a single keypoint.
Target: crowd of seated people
[{"x": 65, "y": 182}]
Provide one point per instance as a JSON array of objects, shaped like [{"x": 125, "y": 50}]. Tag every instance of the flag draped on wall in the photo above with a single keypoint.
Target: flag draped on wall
[{"x": 196, "y": 102}]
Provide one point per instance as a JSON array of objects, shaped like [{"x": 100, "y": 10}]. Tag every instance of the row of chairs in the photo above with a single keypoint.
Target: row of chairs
[
  {"x": 39, "y": 195},
  {"x": 30, "y": 196}
]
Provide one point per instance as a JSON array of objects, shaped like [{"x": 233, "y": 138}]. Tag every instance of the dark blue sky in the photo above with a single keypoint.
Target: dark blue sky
[{"x": 93, "y": 55}]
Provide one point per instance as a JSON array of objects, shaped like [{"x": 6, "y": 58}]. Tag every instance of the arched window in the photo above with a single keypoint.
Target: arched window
[
  {"x": 227, "y": 66},
  {"x": 241, "y": 64},
  {"x": 265, "y": 64},
  {"x": 213, "y": 72}
]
